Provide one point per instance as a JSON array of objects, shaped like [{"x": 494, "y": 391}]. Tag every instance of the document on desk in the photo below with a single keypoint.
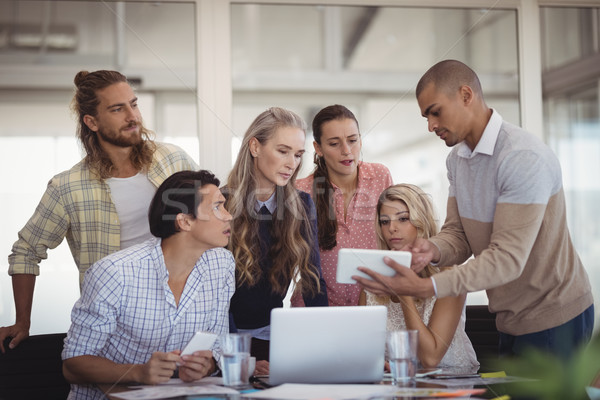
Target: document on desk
[
  {"x": 470, "y": 382},
  {"x": 172, "y": 389},
  {"x": 301, "y": 391},
  {"x": 293, "y": 391}
]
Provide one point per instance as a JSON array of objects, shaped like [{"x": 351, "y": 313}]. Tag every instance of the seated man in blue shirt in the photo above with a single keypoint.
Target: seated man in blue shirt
[{"x": 140, "y": 306}]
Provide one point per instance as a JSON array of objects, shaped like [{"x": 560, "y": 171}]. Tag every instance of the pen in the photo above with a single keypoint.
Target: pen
[
  {"x": 422, "y": 374},
  {"x": 388, "y": 376},
  {"x": 455, "y": 376},
  {"x": 259, "y": 380}
]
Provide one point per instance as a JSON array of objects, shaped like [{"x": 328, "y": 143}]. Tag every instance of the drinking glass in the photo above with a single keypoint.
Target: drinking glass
[
  {"x": 402, "y": 356},
  {"x": 235, "y": 356}
]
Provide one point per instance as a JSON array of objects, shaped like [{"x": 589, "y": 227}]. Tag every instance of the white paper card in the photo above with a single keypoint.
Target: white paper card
[{"x": 200, "y": 341}]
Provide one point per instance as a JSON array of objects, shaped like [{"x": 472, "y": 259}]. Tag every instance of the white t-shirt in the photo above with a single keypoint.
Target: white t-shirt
[{"x": 132, "y": 197}]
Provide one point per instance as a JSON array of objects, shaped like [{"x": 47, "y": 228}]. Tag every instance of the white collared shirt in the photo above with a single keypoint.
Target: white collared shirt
[
  {"x": 487, "y": 142},
  {"x": 270, "y": 203}
]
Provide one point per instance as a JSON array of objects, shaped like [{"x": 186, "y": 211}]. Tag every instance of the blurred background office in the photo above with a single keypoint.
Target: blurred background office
[{"x": 204, "y": 68}]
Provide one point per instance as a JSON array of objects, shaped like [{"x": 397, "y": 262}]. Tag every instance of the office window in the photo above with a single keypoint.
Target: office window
[
  {"x": 571, "y": 84},
  {"x": 568, "y": 35},
  {"x": 43, "y": 44}
]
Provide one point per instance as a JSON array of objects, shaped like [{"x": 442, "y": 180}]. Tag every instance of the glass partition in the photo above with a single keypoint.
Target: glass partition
[
  {"x": 370, "y": 59},
  {"x": 571, "y": 82}
]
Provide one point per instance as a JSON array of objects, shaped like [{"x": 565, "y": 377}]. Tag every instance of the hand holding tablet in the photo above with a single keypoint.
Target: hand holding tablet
[{"x": 350, "y": 259}]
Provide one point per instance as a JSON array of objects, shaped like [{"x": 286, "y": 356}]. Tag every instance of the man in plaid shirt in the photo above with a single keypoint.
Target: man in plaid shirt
[
  {"x": 140, "y": 306},
  {"x": 99, "y": 203}
]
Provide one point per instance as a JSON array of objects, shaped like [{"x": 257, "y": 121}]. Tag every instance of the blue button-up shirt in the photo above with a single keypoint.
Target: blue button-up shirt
[{"x": 127, "y": 310}]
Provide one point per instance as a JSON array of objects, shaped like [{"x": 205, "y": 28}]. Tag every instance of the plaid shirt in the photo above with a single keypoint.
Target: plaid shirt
[
  {"x": 127, "y": 310},
  {"x": 77, "y": 205}
]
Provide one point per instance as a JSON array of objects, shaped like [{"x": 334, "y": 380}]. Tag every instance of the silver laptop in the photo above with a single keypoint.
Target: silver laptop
[{"x": 327, "y": 344}]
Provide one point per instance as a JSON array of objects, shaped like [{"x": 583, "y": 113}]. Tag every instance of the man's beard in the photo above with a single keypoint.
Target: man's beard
[{"x": 122, "y": 140}]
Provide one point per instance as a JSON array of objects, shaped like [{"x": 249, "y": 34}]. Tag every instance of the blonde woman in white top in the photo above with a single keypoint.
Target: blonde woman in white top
[{"x": 405, "y": 212}]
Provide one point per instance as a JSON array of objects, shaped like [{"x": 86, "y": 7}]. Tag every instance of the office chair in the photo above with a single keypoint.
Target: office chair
[
  {"x": 480, "y": 326},
  {"x": 33, "y": 370}
]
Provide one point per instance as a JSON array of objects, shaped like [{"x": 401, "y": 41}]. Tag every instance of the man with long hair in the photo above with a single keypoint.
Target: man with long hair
[{"x": 100, "y": 204}]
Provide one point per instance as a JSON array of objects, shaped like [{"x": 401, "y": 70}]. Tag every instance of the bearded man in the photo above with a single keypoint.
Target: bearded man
[{"x": 101, "y": 204}]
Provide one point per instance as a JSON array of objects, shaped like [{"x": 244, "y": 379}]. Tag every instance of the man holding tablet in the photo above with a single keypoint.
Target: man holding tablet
[
  {"x": 506, "y": 207},
  {"x": 140, "y": 306}
]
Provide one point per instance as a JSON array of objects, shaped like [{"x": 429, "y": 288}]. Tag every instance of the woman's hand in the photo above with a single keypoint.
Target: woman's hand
[{"x": 386, "y": 367}]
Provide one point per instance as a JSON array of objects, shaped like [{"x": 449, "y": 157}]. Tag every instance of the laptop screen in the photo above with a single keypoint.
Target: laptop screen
[{"x": 327, "y": 344}]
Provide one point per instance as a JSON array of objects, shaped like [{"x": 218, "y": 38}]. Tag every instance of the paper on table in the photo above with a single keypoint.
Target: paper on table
[
  {"x": 470, "y": 382},
  {"x": 300, "y": 391},
  {"x": 166, "y": 391},
  {"x": 292, "y": 391},
  {"x": 446, "y": 393},
  {"x": 214, "y": 380},
  {"x": 387, "y": 376}
]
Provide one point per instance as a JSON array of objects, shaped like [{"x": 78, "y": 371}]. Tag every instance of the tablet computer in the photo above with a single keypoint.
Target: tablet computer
[{"x": 350, "y": 259}]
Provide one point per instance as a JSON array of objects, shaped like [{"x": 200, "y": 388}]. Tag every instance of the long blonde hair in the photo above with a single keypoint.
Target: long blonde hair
[
  {"x": 420, "y": 210},
  {"x": 291, "y": 229}
]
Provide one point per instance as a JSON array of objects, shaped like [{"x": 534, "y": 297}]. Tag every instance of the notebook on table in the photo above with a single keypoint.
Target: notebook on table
[{"x": 327, "y": 344}]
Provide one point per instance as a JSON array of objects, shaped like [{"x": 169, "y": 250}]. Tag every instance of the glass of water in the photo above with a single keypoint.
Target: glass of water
[
  {"x": 235, "y": 348},
  {"x": 402, "y": 355}
]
